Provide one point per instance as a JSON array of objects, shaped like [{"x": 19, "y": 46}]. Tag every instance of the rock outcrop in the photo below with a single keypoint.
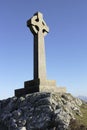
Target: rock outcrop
[{"x": 39, "y": 111}]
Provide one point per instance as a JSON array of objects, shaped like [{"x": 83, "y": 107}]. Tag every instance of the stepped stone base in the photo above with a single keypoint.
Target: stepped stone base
[{"x": 37, "y": 85}]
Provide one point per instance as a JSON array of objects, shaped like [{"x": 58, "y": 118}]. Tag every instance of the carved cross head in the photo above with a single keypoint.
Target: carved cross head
[{"x": 37, "y": 25}]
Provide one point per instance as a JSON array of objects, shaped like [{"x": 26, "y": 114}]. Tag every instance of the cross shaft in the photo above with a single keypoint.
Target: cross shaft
[{"x": 39, "y": 29}]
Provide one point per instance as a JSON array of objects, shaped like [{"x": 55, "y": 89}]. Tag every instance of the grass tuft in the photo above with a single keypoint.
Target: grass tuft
[{"x": 80, "y": 123}]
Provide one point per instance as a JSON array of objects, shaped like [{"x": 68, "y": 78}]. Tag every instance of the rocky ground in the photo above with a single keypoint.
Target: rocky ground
[{"x": 39, "y": 111}]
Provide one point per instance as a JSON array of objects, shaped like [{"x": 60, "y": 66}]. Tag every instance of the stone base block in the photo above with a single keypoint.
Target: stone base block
[
  {"x": 52, "y": 89},
  {"x": 23, "y": 91},
  {"x": 19, "y": 92},
  {"x": 32, "y": 83},
  {"x": 38, "y": 85},
  {"x": 37, "y": 82}
]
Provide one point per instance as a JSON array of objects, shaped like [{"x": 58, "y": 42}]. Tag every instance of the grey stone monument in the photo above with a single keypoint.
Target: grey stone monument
[{"x": 39, "y": 83}]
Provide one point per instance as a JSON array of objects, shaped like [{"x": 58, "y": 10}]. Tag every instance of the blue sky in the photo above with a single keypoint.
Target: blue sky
[{"x": 66, "y": 44}]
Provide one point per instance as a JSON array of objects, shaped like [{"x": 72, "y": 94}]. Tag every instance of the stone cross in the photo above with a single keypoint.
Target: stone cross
[
  {"x": 39, "y": 29},
  {"x": 40, "y": 83}
]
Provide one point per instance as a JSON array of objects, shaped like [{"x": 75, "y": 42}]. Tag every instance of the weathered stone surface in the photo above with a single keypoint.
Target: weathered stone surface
[{"x": 39, "y": 111}]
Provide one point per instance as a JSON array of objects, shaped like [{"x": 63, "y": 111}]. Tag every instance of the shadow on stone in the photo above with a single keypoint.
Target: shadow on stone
[{"x": 3, "y": 127}]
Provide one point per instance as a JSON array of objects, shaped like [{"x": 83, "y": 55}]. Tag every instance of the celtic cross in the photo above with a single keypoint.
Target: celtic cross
[
  {"x": 39, "y": 29},
  {"x": 40, "y": 83}
]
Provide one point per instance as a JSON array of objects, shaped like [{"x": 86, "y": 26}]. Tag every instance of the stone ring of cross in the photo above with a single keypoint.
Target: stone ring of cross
[{"x": 37, "y": 24}]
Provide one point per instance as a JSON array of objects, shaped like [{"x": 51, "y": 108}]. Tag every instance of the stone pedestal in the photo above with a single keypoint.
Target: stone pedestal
[{"x": 39, "y": 86}]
